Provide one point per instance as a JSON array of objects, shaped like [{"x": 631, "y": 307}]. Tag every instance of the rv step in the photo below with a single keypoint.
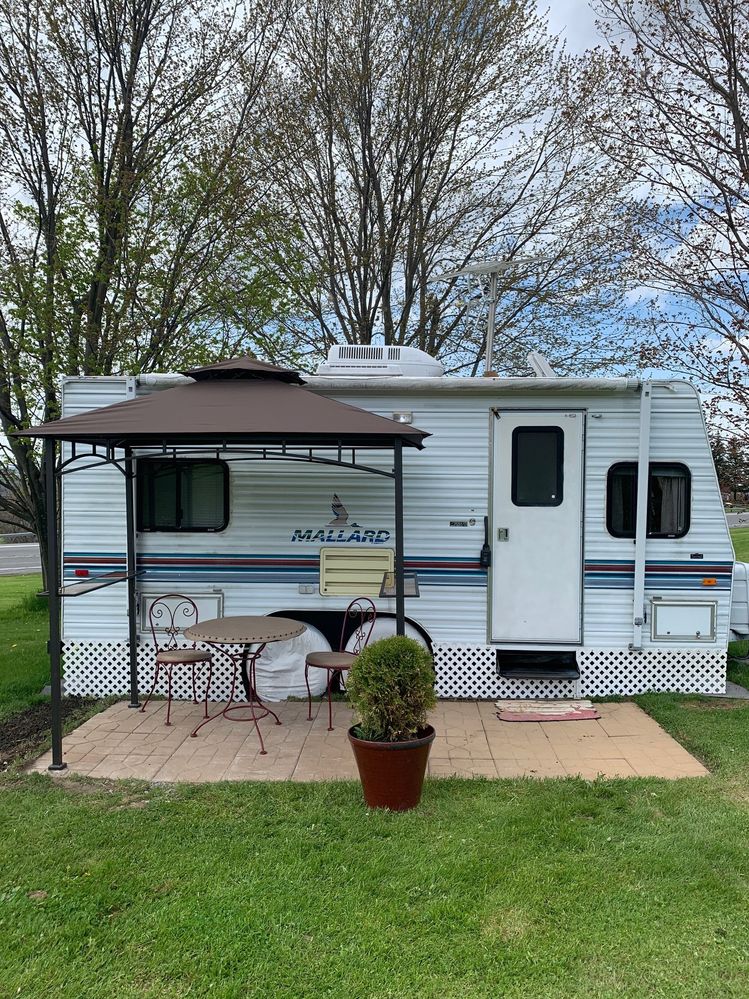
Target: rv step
[
  {"x": 524, "y": 665},
  {"x": 538, "y": 673}
]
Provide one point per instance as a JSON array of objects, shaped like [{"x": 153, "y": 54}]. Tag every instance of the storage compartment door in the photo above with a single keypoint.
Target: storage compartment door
[{"x": 536, "y": 575}]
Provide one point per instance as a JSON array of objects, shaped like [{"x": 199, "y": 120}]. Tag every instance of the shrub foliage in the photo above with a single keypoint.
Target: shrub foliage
[{"x": 391, "y": 687}]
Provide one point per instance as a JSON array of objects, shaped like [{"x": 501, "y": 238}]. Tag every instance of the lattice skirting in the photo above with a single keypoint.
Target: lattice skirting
[
  {"x": 102, "y": 669},
  {"x": 470, "y": 671},
  {"x": 682, "y": 671}
]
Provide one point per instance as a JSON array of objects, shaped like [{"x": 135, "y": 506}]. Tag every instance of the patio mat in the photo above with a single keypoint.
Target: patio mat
[{"x": 535, "y": 711}]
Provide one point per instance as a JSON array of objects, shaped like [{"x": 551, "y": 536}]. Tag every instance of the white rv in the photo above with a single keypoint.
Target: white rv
[{"x": 530, "y": 572}]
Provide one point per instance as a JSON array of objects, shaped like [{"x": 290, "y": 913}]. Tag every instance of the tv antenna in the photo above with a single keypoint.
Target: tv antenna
[{"x": 491, "y": 269}]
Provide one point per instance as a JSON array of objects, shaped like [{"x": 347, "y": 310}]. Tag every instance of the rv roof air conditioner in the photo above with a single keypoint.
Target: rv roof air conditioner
[{"x": 353, "y": 360}]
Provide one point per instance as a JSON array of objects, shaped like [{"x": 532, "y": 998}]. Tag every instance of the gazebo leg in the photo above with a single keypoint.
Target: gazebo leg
[
  {"x": 400, "y": 603},
  {"x": 53, "y": 588},
  {"x": 132, "y": 610}
]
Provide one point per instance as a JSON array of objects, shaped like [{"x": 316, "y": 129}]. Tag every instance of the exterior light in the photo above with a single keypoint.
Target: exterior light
[{"x": 403, "y": 417}]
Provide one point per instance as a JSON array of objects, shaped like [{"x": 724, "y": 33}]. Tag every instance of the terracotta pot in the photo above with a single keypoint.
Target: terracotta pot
[{"x": 392, "y": 773}]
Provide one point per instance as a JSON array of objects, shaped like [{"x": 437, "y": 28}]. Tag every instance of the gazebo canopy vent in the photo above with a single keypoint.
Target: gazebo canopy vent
[{"x": 245, "y": 367}]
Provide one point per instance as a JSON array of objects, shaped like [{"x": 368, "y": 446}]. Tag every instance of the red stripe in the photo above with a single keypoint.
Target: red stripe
[
  {"x": 150, "y": 560},
  {"x": 695, "y": 568}
]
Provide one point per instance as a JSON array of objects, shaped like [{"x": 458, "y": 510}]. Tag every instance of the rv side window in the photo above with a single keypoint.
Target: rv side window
[
  {"x": 537, "y": 463},
  {"x": 182, "y": 494},
  {"x": 669, "y": 489}
]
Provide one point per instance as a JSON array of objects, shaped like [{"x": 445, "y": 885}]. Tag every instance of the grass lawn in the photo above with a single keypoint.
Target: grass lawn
[
  {"x": 24, "y": 668},
  {"x": 513, "y": 888},
  {"x": 740, "y": 537}
]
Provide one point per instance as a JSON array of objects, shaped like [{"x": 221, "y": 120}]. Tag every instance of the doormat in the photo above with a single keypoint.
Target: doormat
[{"x": 535, "y": 711}]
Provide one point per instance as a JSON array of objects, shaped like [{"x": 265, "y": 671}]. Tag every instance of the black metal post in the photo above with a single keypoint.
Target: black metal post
[
  {"x": 400, "y": 603},
  {"x": 132, "y": 612},
  {"x": 53, "y": 588}
]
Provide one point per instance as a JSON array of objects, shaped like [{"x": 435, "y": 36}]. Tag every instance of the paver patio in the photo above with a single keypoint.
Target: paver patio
[{"x": 471, "y": 741}]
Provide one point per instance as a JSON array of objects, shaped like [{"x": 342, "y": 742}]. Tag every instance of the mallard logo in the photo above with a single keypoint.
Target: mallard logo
[{"x": 340, "y": 531}]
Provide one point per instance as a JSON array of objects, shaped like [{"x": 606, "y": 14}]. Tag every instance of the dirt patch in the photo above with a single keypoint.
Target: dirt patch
[
  {"x": 722, "y": 704},
  {"x": 22, "y": 733}
]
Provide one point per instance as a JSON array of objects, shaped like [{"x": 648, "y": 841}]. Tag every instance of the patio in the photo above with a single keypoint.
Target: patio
[{"x": 471, "y": 742}]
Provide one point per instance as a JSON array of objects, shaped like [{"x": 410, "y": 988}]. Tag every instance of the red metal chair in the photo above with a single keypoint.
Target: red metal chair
[
  {"x": 364, "y": 613},
  {"x": 171, "y": 619}
]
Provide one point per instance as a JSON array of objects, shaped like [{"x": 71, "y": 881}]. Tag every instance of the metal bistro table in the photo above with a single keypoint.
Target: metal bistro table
[{"x": 253, "y": 634}]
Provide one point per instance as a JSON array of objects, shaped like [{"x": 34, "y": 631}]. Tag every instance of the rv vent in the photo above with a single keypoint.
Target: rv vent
[
  {"x": 354, "y": 572},
  {"x": 358, "y": 360},
  {"x": 361, "y": 353}
]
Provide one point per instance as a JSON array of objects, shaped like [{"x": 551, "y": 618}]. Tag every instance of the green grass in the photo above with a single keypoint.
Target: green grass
[
  {"x": 513, "y": 888},
  {"x": 24, "y": 668},
  {"x": 740, "y": 538}
]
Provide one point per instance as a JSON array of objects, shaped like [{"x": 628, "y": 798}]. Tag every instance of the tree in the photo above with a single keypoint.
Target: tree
[
  {"x": 731, "y": 457},
  {"x": 674, "y": 104},
  {"x": 720, "y": 457},
  {"x": 414, "y": 136},
  {"x": 127, "y": 239}
]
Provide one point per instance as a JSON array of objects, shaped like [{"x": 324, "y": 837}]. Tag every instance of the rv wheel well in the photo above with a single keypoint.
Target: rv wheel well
[{"x": 328, "y": 622}]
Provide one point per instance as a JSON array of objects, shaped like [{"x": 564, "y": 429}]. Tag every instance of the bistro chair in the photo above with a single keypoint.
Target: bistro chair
[
  {"x": 362, "y": 614},
  {"x": 168, "y": 616}
]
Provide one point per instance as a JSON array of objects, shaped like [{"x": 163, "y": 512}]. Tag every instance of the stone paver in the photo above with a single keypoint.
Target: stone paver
[{"x": 471, "y": 742}]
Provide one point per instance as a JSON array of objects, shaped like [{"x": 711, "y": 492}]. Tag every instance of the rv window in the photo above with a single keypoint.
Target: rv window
[
  {"x": 182, "y": 495},
  {"x": 537, "y": 463},
  {"x": 669, "y": 488}
]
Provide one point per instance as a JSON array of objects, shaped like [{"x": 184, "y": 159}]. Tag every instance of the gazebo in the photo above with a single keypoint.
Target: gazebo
[{"x": 241, "y": 409}]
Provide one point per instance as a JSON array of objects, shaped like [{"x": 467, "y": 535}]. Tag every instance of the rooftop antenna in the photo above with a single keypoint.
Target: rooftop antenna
[{"x": 492, "y": 269}]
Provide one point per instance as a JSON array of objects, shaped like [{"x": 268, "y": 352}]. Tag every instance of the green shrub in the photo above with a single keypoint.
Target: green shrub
[{"x": 391, "y": 687}]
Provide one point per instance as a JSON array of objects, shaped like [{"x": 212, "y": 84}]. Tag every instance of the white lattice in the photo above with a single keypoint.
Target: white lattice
[
  {"x": 471, "y": 671},
  {"x": 619, "y": 671},
  {"x": 463, "y": 671},
  {"x": 102, "y": 669}
]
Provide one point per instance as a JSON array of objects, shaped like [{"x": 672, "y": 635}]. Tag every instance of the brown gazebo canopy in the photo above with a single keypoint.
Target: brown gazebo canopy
[
  {"x": 241, "y": 406},
  {"x": 239, "y": 400}
]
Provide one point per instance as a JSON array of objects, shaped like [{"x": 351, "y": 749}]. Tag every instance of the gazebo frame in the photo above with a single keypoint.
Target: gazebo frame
[{"x": 105, "y": 454}]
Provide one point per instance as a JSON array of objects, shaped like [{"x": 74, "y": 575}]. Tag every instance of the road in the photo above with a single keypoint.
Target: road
[
  {"x": 738, "y": 519},
  {"x": 18, "y": 560}
]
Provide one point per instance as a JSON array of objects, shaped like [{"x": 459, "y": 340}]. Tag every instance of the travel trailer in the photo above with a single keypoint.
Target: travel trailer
[{"x": 539, "y": 560}]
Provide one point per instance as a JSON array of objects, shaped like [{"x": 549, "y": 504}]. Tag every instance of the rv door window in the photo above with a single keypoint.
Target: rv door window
[
  {"x": 537, "y": 464},
  {"x": 669, "y": 495},
  {"x": 182, "y": 494}
]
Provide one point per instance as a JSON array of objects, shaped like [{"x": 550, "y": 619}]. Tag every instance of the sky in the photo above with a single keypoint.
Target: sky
[{"x": 574, "y": 21}]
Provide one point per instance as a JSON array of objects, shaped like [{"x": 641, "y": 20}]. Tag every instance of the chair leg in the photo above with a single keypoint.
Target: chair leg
[
  {"x": 169, "y": 695},
  {"x": 207, "y": 689},
  {"x": 153, "y": 687},
  {"x": 331, "y": 676},
  {"x": 309, "y": 692},
  {"x": 194, "y": 695}
]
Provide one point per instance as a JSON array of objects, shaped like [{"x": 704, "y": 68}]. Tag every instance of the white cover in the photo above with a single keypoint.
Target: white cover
[{"x": 280, "y": 669}]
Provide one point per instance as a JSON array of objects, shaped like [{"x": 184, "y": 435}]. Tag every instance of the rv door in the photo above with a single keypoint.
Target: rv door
[{"x": 536, "y": 576}]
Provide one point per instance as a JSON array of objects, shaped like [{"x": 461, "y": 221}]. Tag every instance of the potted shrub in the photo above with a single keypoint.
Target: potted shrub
[{"x": 391, "y": 688}]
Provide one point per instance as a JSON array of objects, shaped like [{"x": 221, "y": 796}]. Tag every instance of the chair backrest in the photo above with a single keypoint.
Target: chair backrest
[
  {"x": 169, "y": 615},
  {"x": 363, "y": 614}
]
